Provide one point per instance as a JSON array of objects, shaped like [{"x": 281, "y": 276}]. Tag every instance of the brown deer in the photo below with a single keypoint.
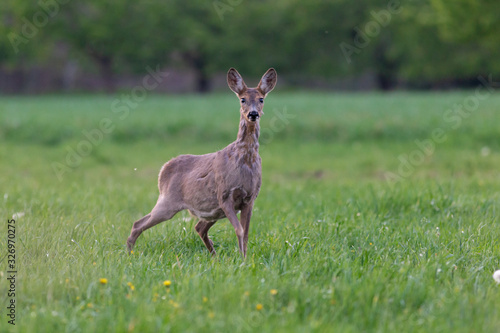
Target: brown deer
[{"x": 220, "y": 184}]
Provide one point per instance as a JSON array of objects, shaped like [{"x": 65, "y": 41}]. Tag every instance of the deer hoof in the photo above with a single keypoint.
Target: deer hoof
[{"x": 130, "y": 246}]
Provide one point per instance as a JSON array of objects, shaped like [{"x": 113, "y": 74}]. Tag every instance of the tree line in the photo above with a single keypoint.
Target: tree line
[{"x": 421, "y": 43}]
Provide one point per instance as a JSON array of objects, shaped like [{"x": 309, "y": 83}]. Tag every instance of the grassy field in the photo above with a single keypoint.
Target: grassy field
[{"x": 378, "y": 213}]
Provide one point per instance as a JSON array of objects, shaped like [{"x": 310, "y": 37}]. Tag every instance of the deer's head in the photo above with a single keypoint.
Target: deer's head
[{"x": 251, "y": 99}]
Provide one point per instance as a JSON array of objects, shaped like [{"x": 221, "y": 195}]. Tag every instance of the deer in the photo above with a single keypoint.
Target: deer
[{"x": 220, "y": 184}]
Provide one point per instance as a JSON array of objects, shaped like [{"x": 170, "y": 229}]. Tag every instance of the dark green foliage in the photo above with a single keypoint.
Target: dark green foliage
[{"x": 422, "y": 43}]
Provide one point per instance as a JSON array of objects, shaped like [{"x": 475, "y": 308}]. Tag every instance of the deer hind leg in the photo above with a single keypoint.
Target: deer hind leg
[
  {"x": 202, "y": 228},
  {"x": 162, "y": 211}
]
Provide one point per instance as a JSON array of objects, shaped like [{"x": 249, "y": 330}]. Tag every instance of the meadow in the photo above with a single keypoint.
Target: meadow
[{"x": 378, "y": 213}]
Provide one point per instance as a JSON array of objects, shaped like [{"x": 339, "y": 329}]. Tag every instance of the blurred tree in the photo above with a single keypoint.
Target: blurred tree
[
  {"x": 119, "y": 36},
  {"x": 196, "y": 33},
  {"x": 474, "y": 23},
  {"x": 425, "y": 43},
  {"x": 429, "y": 59},
  {"x": 299, "y": 38},
  {"x": 371, "y": 35},
  {"x": 468, "y": 20},
  {"x": 23, "y": 45},
  {"x": 7, "y": 24}
]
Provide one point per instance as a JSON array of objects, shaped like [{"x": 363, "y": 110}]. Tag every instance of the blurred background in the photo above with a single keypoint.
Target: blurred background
[{"x": 52, "y": 46}]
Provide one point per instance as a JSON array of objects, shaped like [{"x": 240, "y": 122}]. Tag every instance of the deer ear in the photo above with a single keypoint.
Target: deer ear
[
  {"x": 268, "y": 81},
  {"x": 235, "y": 81}
]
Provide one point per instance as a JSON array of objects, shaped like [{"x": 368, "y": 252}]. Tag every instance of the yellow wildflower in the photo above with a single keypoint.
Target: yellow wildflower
[
  {"x": 103, "y": 280},
  {"x": 259, "y": 307},
  {"x": 167, "y": 283},
  {"x": 274, "y": 291},
  {"x": 173, "y": 303}
]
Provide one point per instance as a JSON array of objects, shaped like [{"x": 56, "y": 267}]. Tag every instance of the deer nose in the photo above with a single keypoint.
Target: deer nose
[{"x": 253, "y": 115}]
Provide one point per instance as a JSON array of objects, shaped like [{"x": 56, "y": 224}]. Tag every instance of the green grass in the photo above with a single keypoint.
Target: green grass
[{"x": 346, "y": 249}]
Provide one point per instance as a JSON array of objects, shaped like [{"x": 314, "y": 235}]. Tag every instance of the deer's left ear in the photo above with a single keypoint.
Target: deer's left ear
[{"x": 268, "y": 81}]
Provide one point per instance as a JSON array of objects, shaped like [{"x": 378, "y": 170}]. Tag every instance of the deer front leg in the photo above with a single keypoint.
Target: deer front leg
[
  {"x": 202, "y": 228},
  {"x": 228, "y": 209},
  {"x": 246, "y": 214}
]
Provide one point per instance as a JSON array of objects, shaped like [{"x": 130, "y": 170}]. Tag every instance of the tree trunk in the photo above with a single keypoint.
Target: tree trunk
[
  {"x": 198, "y": 63},
  {"x": 107, "y": 75},
  {"x": 105, "y": 64},
  {"x": 386, "y": 69},
  {"x": 203, "y": 82},
  {"x": 385, "y": 81}
]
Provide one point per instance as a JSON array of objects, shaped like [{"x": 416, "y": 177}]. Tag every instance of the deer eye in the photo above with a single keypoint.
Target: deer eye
[
  {"x": 243, "y": 100},
  {"x": 261, "y": 100}
]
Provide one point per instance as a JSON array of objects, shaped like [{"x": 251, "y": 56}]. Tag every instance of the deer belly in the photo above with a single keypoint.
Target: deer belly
[{"x": 208, "y": 215}]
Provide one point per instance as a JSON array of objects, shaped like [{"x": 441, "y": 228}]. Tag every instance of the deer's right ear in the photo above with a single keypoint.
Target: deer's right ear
[{"x": 235, "y": 81}]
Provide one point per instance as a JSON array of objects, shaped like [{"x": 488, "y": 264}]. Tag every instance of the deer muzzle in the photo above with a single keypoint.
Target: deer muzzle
[{"x": 253, "y": 115}]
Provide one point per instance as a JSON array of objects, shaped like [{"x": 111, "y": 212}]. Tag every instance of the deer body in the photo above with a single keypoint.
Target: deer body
[
  {"x": 217, "y": 185},
  {"x": 206, "y": 180}
]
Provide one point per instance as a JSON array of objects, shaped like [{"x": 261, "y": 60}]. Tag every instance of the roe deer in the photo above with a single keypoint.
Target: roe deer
[{"x": 220, "y": 184}]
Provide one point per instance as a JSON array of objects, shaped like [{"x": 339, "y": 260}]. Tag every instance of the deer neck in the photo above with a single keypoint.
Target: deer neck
[{"x": 248, "y": 137}]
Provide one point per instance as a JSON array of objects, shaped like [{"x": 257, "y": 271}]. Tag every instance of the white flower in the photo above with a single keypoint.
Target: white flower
[
  {"x": 17, "y": 215},
  {"x": 485, "y": 151},
  {"x": 496, "y": 276}
]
